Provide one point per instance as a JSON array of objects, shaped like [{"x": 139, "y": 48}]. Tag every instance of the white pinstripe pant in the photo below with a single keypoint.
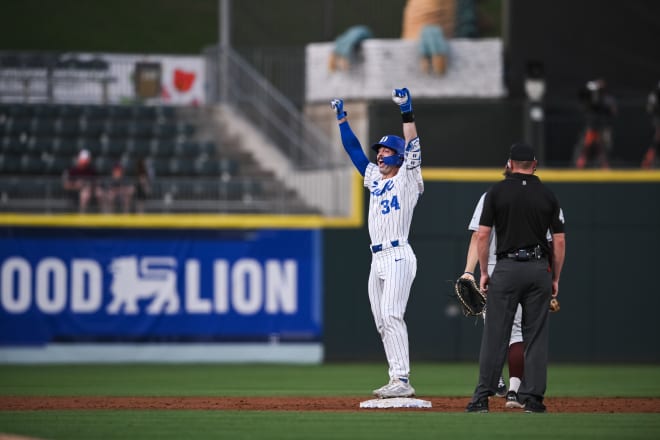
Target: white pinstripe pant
[{"x": 392, "y": 273}]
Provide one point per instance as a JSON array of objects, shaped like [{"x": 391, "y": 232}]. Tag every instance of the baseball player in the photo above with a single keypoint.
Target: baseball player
[{"x": 395, "y": 184}]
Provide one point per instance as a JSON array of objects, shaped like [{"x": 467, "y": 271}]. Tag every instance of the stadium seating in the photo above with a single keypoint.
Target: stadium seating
[
  {"x": 193, "y": 173},
  {"x": 38, "y": 142}
]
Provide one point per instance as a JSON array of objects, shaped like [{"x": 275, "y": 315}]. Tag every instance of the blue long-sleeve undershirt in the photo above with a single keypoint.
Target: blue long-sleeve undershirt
[{"x": 353, "y": 147}]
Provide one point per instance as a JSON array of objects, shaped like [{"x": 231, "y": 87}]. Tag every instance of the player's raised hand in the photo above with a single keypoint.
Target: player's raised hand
[
  {"x": 401, "y": 97},
  {"x": 338, "y": 106}
]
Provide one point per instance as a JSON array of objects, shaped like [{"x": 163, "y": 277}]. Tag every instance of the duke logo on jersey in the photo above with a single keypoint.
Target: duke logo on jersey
[{"x": 380, "y": 191}]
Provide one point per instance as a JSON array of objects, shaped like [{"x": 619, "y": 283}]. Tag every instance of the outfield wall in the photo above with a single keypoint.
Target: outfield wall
[
  {"x": 612, "y": 239},
  {"x": 296, "y": 291}
]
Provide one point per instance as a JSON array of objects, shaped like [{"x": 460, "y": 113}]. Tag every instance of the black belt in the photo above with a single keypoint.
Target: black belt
[
  {"x": 379, "y": 247},
  {"x": 535, "y": 253}
]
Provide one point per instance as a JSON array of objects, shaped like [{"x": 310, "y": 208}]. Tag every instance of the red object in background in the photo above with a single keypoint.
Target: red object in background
[{"x": 183, "y": 80}]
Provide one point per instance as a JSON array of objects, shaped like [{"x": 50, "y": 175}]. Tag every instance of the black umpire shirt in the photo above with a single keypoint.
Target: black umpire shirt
[{"x": 522, "y": 210}]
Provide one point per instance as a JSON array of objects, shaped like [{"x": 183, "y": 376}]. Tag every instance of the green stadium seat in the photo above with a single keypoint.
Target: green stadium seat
[
  {"x": 165, "y": 131},
  {"x": 142, "y": 129},
  {"x": 181, "y": 166},
  {"x": 32, "y": 165},
  {"x": 115, "y": 147},
  {"x": 164, "y": 148},
  {"x": 43, "y": 127},
  {"x": 145, "y": 113},
  {"x": 95, "y": 112},
  {"x": 70, "y": 111},
  {"x": 188, "y": 148},
  {"x": 57, "y": 165},
  {"x": 5, "y": 112},
  {"x": 17, "y": 127},
  {"x": 41, "y": 144},
  {"x": 206, "y": 167},
  {"x": 16, "y": 146},
  {"x": 67, "y": 128},
  {"x": 161, "y": 166},
  {"x": 10, "y": 164},
  {"x": 45, "y": 111},
  {"x": 64, "y": 147},
  {"x": 93, "y": 127},
  {"x": 103, "y": 165},
  {"x": 166, "y": 112},
  {"x": 20, "y": 111},
  {"x": 185, "y": 129},
  {"x": 207, "y": 147},
  {"x": 139, "y": 147},
  {"x": 120, "y": 112},
  {"x": 227, "y": 167},
  {"x": 119, "y": 129}
]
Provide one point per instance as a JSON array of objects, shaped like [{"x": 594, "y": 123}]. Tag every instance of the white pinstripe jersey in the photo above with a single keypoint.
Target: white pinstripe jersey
[{"x": 393, "y": 200}]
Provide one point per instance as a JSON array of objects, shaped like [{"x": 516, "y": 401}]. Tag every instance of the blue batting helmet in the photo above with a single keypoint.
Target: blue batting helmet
[{"x": 395, "y": 143}]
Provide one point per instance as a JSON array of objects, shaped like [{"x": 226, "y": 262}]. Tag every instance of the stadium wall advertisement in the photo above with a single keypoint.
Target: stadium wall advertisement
[{"x": 241, "y": 286}]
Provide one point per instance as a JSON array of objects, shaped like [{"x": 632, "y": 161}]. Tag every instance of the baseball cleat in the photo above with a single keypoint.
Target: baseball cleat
[
  {"x": 512, "y": 400},
  {"x": 377, "y": 391},
  {"x": 501, "y": 388},
  {"x": 396, "y": 388}
]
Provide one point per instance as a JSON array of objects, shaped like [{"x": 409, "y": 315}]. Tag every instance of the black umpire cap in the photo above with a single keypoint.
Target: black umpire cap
[{"x": 522, "y": 152}]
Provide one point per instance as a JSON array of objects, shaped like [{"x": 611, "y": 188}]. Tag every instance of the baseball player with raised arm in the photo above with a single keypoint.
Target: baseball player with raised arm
[{"x": 395, "y": 184}]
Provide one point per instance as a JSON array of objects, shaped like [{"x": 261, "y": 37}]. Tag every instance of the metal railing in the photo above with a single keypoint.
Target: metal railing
[
  {"x": 46, "y": 195},
  {"x": 234, "y": 81}
]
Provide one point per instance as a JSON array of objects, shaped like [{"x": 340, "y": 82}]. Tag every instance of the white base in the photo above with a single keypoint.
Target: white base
[{"x": 396, "y": 402}]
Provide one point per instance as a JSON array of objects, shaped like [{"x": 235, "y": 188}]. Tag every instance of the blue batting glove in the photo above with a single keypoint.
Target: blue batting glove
[
  {"x": 338, "y": 106},
  {"x": 402, "y": 98}
]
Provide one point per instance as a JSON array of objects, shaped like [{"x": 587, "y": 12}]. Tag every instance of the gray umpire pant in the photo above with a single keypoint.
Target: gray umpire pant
[{"x": 530, "y": 284}]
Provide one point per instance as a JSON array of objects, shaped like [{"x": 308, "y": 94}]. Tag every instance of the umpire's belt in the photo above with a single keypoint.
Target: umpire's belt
[
  {"x": 535, "y": 253},
  {"x": 375, "y": 248}
]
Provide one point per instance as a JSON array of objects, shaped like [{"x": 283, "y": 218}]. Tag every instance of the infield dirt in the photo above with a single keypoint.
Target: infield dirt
[{"x": 440, "y": 404}]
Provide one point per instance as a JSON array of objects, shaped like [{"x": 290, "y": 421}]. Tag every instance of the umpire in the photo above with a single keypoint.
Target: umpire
[{"x": 522, "y": 210}]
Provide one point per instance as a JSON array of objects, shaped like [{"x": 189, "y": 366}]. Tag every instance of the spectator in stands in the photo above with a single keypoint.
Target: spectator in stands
[
  {"x": 81, "y": 181},
  {"x": 595, "y": 143},
  {"x": 144, "y": 176},
  {"x": 430, "y": 22},
  {"x": 119, "y": 190},
  {"x": 347, "y": 46},
  {"x": 653, "y": 108}
]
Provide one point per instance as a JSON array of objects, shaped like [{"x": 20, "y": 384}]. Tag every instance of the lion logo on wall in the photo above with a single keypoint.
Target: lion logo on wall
[{"x": 154, "y": 278}]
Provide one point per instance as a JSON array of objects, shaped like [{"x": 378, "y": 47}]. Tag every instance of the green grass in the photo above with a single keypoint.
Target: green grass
[
  {"x": 430, "y": 379},
  {"x": 450, "y": 379},
  {"x": 191, "y": 425}
]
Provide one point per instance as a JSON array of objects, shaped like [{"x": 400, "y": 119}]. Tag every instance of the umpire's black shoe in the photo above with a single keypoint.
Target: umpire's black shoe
[
  {"x": 534, "y": 406},
  {"x": 480, "y": 406}
]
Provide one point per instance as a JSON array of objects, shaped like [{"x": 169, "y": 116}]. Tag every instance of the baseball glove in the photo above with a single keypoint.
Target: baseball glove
[
  {"x": 554, "y": 305},
  {"x": 473, "y": 301}
]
